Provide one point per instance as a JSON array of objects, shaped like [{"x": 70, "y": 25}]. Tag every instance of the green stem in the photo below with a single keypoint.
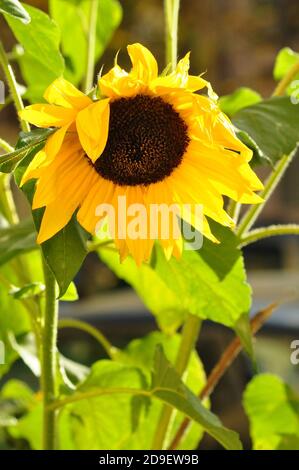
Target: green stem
[
  {"x": 233, "y": 210},
  {"x": 286, "y": 80},
  {"x": 7, "y": 204},
  {"x": 5, "y": 146},
  {"x": 13, "y": 87},
  {"x": 49, "y": 359},
  {"x": 171, "y": 9},
  {"x": 271, "y": 231},
  {"x": 80, "y": 325},
  {"x": 189, "y": 337},
  {"x": 92, "y": 31},
  {"x": 252, "y": 214},
  {"x": 98, "y": 393}
]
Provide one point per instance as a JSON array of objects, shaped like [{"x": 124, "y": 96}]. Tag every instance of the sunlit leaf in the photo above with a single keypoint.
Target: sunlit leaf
[
  {"x": 41, "y": 62},
  {"x": 273, "y": 412},
  {"x": 239, "y": 99},
  {"x": 273, "y": 125},
  {"x": 72, "y": 18}
]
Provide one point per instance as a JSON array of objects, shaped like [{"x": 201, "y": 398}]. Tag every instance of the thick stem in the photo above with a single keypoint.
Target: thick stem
[
  {"x": 286, "y": 81},
  {"x": 92, "y": 31},
  {"x": 171, "y": 8},
  {"x": 13, "y": 87},
  {"x": 271, "y": 231},
  {"x": 252, "y": 214},
  {"x": 49, "y": 359},
  {"x": 189, "y": 337},
  {"x": 228, "y": 356}
]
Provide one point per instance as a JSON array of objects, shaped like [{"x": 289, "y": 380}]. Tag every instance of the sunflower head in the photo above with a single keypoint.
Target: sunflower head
[{"x": 150, "y": 140}]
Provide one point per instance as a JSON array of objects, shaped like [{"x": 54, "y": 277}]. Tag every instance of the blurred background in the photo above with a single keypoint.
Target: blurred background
[{"x": 236, "y": 43}]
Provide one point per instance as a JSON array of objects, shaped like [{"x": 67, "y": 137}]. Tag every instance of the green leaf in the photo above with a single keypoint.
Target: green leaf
[
  {"x": 156, "y": 295},
  {"x": 284, "y": 61},
  {"x": 71, "y": 294},
  {"x": 211, "y": 282},
  {"x": 239, "y": 99},
  {"x": 243, "y": 330},
  {"x": 140, "y": 353},
  {"x": 41, "y": 62},
  {"x": 13, "y": 318},
  {"x": 28, "y": 291},
  {"x": 32, "y": 142},
  {"x": 273, "y": 412},
  {"x": 115, "y": 409},
  {"x": 17, "y": 239},
  {"x": 26, "y": 349},
  {"x": 14, "y": 8},
  {"x": 168, "y": 387},
  {"x": 15, "y": 399},
  {"x": 72, "y": 18},
  {"x": 273, "y": 125}
]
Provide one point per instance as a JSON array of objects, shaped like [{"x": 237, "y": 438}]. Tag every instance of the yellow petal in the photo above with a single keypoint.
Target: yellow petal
[
  {"x": 33, "y": 169},
  {"x": 144, "y": 64},
  {"x": 63, "y": 93},
  {"x": 92, "y": 126},
  {"x": 48, "y": 115},
  {"x": 54, "y": 142}
]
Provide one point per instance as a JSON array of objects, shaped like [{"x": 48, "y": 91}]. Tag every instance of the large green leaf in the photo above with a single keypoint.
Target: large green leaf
[
  {"x": 140, "y": 353},
  {"x": 239, "y": 99},
  {"x": 72, "y": 18},
  {"x": 41, "y": 62},
  {"x": 273, "y": 412},
  {"x": 154, "y": 292},
  {"x": 14, "y": 8},
  {"x": 209, "y": 283},
  {"x": 273, "y": 125},
  {"x": 102, "y": 421},
  {"x": 168, "y": 387},
  {"x": 17, "y": 239}
]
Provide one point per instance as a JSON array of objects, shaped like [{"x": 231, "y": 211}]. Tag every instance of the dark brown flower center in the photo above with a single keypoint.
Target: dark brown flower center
[{"x": 146, "y": 142}]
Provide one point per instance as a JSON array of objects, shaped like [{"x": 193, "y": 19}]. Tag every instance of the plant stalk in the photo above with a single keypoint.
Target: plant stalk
[
  {"x": 49, "y": 359},
  {"x": 228, "y": 356},
  {"x": 271, "y": 231},
  {"x": 286, "y": 80},
  {"x": 171, "y": 14},
  {"x": 91, "y": 39},
  {"x": 252, "y": 214},
  {"x": 12, "y": 85},
  {"x": 189, "y": 337}
]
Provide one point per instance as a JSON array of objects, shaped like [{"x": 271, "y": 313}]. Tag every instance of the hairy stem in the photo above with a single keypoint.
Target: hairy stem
[
  {"x": 189, "y": 336},
  {"x": 13, "y": 87},
  {"x": 252, "y": 214},
  {"x": 171, "y": 9},
  {"x": 228, "y": 356},
  {"x": 266, "y": 232},
  {"x": 49, "y": 359},
  {"x": 92, "y": 31}
]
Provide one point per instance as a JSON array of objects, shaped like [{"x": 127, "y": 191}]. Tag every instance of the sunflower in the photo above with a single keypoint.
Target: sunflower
[{"x": 151, "y": 139}]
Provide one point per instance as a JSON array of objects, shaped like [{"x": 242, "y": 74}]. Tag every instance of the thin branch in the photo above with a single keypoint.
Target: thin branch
[
  {"x": 271, "y": 231},
  {"x": 222, "y": 365}
]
